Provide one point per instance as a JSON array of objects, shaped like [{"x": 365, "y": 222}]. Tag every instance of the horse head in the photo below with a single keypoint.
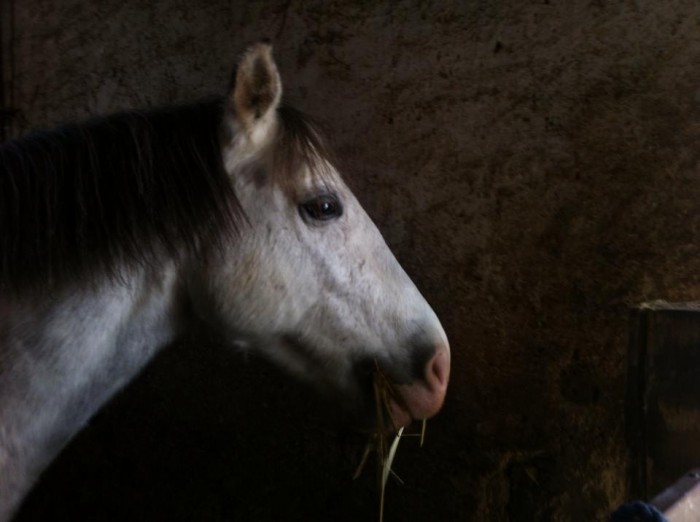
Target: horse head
[{"x": 310, "y": 282}]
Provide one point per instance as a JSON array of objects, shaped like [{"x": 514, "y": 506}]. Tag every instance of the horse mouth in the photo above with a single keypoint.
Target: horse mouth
[
  {"x": 400, "y": 416},
  {"x": 408, "y": 406},
  {"x": 398, "y": 405}
]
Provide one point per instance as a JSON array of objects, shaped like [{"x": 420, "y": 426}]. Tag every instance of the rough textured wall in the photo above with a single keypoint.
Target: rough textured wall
[{"x": 532, "y": 164}]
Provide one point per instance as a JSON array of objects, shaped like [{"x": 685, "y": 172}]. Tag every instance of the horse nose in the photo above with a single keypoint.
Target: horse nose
[{"x": 424, "y": 397}]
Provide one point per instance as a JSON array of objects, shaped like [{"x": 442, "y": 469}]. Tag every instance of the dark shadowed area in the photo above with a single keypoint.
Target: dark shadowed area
[
  {"x": 179, "y": 445},
  {"x": 533, "y": 165}
]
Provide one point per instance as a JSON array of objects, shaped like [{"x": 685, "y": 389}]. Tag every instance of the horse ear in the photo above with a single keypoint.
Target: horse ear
[{"x": 257, "y": 87}]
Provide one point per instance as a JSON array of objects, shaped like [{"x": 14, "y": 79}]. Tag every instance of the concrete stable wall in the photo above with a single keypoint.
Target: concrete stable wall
[{"x": 533, "y": 165}]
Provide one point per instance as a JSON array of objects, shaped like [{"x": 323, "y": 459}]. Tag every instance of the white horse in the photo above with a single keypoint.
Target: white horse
[{"x": 118, "y": 234}]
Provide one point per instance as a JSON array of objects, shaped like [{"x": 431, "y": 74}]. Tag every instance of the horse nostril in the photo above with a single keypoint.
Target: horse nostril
[
  {"x": 431, "y": 365},
  {"x": 438, "y": 370}
]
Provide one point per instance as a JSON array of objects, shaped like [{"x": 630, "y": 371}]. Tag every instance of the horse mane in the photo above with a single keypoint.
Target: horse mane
[
  {"x": 88, "y": 200},
  {"x": 118, "y": 191}
]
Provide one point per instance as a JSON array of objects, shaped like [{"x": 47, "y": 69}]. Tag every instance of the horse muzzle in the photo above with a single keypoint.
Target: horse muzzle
[{"x": 422, "y": 398}]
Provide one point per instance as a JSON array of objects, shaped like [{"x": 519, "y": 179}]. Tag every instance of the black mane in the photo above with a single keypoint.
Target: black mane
[{"x": 124, "y": 190}]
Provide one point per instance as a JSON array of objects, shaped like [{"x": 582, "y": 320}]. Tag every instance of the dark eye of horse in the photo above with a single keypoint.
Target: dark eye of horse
[{"x": 321, "y": 208}]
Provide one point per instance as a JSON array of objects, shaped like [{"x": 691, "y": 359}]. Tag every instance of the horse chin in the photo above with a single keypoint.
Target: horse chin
[
  {"x": 365, "y": 420},
  {"x": 360, "y": 406}
]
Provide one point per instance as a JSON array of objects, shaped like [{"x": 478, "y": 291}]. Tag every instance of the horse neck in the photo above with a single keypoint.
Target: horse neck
[{"x": 60, "y": 362}]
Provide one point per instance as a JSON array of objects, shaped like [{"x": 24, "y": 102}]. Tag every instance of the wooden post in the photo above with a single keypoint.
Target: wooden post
[{"x": 662, "y": 403}]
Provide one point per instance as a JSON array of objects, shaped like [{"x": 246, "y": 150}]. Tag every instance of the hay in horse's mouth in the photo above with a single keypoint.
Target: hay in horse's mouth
[{"x": 384, "y": 392}]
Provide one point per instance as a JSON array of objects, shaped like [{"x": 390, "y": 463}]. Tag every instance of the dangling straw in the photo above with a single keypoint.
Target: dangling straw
[{"x": 383, "y": 392}]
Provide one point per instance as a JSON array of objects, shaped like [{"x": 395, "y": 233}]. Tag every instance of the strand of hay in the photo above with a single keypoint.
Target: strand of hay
[{"x": 378, "y": 443}]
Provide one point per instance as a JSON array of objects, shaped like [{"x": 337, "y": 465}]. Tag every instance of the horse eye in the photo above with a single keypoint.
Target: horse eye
[{"x": 321, "y": 208}]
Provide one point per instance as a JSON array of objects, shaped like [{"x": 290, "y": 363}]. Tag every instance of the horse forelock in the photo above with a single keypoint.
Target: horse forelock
[
  {"x": 87, "y": 201},
  {"x": 301, "y": 147}
]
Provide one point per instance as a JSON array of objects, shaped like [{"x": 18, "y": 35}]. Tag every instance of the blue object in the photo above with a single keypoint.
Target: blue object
[{"x": 637, "y": 511}]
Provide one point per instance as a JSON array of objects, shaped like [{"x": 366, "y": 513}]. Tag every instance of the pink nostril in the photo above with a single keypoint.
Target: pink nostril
[{"x": 438, "y": 370}]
